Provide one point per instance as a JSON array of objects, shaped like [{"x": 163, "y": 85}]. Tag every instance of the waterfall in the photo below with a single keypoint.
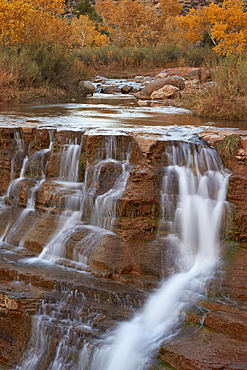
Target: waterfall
[
  {"x": 98, "y": 210},
  {"x": 33, "y": 170},
  {"x": 66, "y": 331},
  {"x": 193, "y": 196},
  {"x": 68, "y": 180}
]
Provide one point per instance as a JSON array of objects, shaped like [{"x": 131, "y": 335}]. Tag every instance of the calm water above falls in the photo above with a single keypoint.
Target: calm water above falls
[
  {"x": 190, "y": 214},
  {"x": 104, "y": 111}
]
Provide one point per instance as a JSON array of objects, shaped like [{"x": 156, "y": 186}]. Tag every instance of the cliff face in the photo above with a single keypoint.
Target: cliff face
[{"x": 133, "y": 254}]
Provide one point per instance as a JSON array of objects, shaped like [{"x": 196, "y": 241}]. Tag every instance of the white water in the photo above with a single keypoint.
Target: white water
[
  {"x": 41, "y": 164},
  {"x": 68, "y": 179},
  {"x": 192, "y": 200},
  {"x": 194, "y": 218},
  {"x": 99, "y": 209}
]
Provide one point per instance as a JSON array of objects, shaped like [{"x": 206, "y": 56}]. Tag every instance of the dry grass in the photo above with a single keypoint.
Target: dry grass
[
  {"x": 40, "y": 94},
  {"x": 227, "y": 99},
  {"x": 39, "y": 73}
]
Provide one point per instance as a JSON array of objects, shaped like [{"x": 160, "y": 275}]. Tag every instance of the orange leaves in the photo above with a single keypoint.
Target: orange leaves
[
  {"x": 169, "y": 8},
  {"x": 15, "y": 20},
  {"x": 129, "y": 22},
  {"x": 26, "y": 21},
  {"x": 84, "y": 33},
  {"x": 226, "y": 25}
]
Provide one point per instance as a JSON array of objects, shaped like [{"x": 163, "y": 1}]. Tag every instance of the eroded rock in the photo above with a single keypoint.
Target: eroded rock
[{"x": 145, "y": 93}]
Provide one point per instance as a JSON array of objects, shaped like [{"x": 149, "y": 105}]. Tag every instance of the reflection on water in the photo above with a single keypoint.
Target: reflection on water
[{"x": 104, "y": 111}]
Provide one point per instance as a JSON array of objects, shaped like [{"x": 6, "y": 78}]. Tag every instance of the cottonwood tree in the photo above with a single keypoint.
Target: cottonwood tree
[
  {"x": 133, "y": 23},
  {"x": 225, "y": 24},
  {"x": 84, "y": 33},
  {"x": 22, "y": 21},
  {"x": 129, "y": 22}
]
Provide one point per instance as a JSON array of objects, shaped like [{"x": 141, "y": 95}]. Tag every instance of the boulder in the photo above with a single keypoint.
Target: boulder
[
  {"x": 166, "y": 92},
  {"x": 111, "y": 90},
  {"x": 87, "y": 88},
  {"x": 126, "y": 89},
  {"x": 147, "y": 91},
  {"x": 160, "y": 75},
  {"x": 202, "y": 75}
]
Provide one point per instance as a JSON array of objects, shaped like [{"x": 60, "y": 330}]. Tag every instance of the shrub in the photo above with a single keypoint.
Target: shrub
[
  {"x": 39, "y": 66},
  {"x": 228, "y": 98}
]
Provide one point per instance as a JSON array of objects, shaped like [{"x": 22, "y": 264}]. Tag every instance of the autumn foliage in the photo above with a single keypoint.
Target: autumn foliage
[
  {"x": 23, "y": 21},
  {"x": 225, "y": 24},
  {"x": 132, "y": 23}
]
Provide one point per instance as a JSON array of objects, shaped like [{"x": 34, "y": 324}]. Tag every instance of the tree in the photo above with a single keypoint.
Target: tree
[
  {"x": 27, "y": 21},
  {"x": 225, "y": 24},
  {"x": 85, "y": 7},
  {"x": 84, "y": 33},
  {"x": 129, "y": 22}
]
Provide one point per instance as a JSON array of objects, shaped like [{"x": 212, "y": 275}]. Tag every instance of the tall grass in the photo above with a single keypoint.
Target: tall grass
[
  {"x": 228, "y": 97},
  {"x": 38, "y": 66},
  {"x": 163, "y": 55}
]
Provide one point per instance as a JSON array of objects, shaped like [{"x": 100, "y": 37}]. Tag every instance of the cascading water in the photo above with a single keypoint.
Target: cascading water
[
  {"x": 100, "y": 210},
  {"x": 192, "y": 200},
  {"x": 68, "y": 180},
  {"x": 193, "y": 195},
  {"x": 102, "y": 207},
  {"x": 35, "y": 175}
]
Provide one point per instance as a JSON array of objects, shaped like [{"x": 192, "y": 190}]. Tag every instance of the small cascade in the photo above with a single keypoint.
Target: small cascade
[
  {"x": 69, "y": 166},
  {"x": 56, "y": 333},
  {"x": 19, "y": 153},
  {"x": 193, "y": 197},
  {"x": 102, "y": 208},
  {"x": 71, "y": 319},
  {"x": 86, "y": 210},
  {"x": 32, "y": 175},
  {"x": 68, "y": 181}
]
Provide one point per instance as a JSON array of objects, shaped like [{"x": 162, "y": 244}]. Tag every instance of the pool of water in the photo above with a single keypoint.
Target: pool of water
[{"x": 105, "y": 111}]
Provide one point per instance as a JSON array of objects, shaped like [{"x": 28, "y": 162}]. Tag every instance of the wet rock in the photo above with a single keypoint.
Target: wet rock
[
  {"x": 111, "y": 90},
  {"x": 232, "y": 148},
  {"x": 126, "y": 89},
  {"x": 146, "y": 92},
  {"x": 96, "y": 247},
  {"x": 87, "y": 88},
  {"x": 162, "y": 74},
  {"x": 205, "y": 351},
  {"x": 98, "y": 79},
  {"x": 18, "y": 302},
  {"x": 19, "y": 191},
  {"x": 166, "y": 92}
]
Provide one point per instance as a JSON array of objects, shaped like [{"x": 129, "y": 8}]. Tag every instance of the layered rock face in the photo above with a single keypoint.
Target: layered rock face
[
  {"x": 137, "y": 209},
  {"x": 57, "y": 176}
]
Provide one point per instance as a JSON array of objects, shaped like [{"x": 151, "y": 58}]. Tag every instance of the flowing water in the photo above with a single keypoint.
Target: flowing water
[
  {"x": 194, "y": 209},
  {"x": 67, "y": 333}
]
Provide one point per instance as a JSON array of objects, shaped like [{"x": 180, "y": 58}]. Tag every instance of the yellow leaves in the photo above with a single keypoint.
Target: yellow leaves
[
  {"x": 129, "y": 22},
  {"x": 84, "y": 33},
  {"x": 14, "y": 20},
  {"x": 25, "y": 21},
  {"x": 169, "y": 8},
  {"x": 226, "y": 25}
]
